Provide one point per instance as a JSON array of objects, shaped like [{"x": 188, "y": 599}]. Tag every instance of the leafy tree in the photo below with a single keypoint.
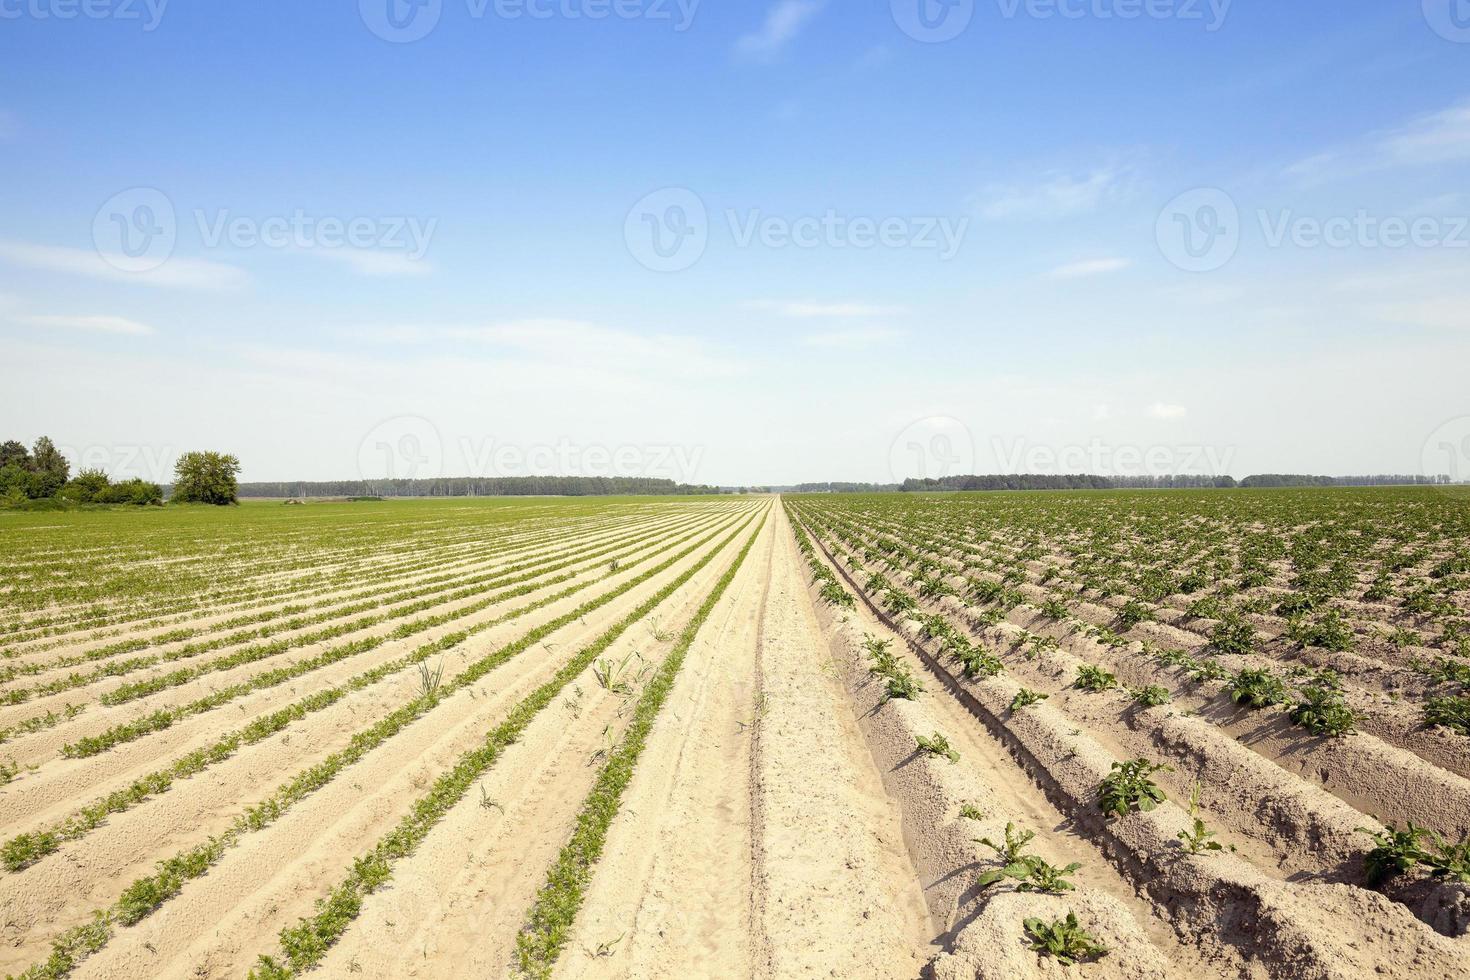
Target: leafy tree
[
  {"x": 86, "y": 486},
  {"x": 206, "y": 478},
  {"x": 13, "y": 452},
  {"x": 46, "y": 458},
  {"x": 134, "y": 491}
]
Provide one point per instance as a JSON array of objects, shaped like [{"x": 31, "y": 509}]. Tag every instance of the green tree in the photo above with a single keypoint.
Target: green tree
[
  {"x": 206, "y": 478},
  {"x": 14, "y": 453},
  {"x": 49, "y": 470},
  {"x": 86, "y": 487}
]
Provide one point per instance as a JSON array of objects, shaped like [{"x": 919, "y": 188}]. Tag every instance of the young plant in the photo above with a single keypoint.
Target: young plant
[
  {"x": 1323, "y": 711},
  {"x": 1257, "y": 688},
  {"x": 1233, "y": 634},
  {"x": 836, "y": 595},
  {"x": 1450, "y": 860},
  {"x": 1151, "y": 696},
  {"x": 613, "y": 675},
  {"x": 1015, "y": 843},
  {"x": 1064, "y": 940},
  {"x": 1394, "y": 852},
  {"x": 430, "y": 680},
  {"x": 937, "y": 744},
  {"x": 1451, "y": 712},
  {"x": 1092, "y": 678},
  {"x": 971, "y": 812},
  {"x": 1054, "y": 609},
  {"x": 1025, "y": 698},
  {"x": 1197, "y": 839},
  {"x": 1128, "y": 787},
  {"x": 1034, "y": 875},
  {"x": 901, "y": 683}
]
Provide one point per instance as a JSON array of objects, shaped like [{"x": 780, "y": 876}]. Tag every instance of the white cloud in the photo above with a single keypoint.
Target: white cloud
[
  {"x": 100, "y": 324},
  {"x": 862, "y": 338},
  {"x": 176, "y": 273},
  {"x": 1090, "y": 267},
  {"x": 572, "y": 344},
  {"x": 376, "y": 264},
  {"x": 1055, "y": 195},
  {"x": 783, "y": 23},
  {"x": 1432, "y": 138},
  {"x": 1437, "y": 137},
  {"x": 1160, "y": 410},
  {"x": 806, "y": 310}
]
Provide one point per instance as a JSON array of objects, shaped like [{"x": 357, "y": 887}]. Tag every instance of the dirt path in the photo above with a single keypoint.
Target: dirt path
[
  {"x": 756, "y": 839},
  {"x": 835, "y": 892},
  {"x": 672, "y": 895}
]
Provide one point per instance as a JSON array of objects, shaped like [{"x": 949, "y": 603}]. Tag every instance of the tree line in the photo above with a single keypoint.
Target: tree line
[
  {"x": 463, "y": 486},
  {"x": 41, "y": 476}
]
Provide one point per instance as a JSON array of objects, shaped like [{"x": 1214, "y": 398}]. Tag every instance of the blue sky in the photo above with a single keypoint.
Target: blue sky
[{"x": 1032, "y": 305}]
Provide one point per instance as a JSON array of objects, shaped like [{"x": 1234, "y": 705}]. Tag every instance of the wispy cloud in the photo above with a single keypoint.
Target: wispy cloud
[
  {"x": 176, "y": 273},
  {"x": 376, "y": 264},
  {"x": 1089, "y": 267},
  {"x": 573, "y": 343},
  {"x": 97, "y": 324},
  {"x": 784, "y": 21},
  {"x": 1161, "y": 410},
  {"x": 1432, "y": 138},
  {"x": 1056, "y": 195},
  {"x": 807, "y": 311},
  {"x": 863, "y": 338}
]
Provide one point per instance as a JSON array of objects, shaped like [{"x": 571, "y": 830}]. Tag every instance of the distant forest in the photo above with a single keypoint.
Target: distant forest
[
  {"x": 1082, "y": 481},
  {"x": 509, "y": 486}
]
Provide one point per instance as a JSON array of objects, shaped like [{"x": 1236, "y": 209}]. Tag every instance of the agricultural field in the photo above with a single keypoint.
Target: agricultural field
[
  {"x": 1228, "y": 731},
  {"x": 1217, "y": 734}
]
